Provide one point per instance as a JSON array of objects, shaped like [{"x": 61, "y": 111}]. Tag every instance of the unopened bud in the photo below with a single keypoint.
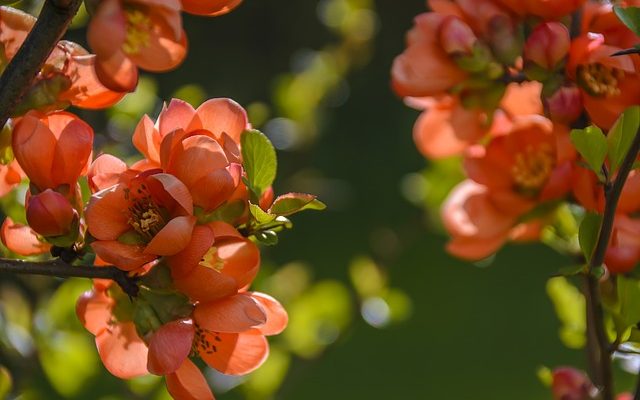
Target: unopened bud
[
  {"x": 50, "y": 214},
  {"x": 565, "y": 105},
  {"x": 456, "y": 37},
  {"x": 571, "y": 384},
  {"x": 547, "y": 45},
  {"x": 506, "y": 39}
]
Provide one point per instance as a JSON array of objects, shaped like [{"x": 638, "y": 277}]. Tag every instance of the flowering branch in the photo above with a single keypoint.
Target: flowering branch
[
  {"x": 603, "y": 377},
  {"x": 61, "y": 269},
  {"x": 16, "y": 79}
]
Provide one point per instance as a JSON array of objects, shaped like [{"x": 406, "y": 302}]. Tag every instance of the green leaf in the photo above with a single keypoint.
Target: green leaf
[
  {"x": 570, "y": 307},
  {"x": 629, "y": 300},
  {"x": 260, "y": 162},
  {"x": 592, "y": 145},
  {"x": 630, "y": 16},
  {"x": 228, "y": 212},
  {"x": 5, "y": 382},
  {"x": 621, "y": 135},
  {"x": 571, "y": 270},
  {"x": 588, "y": 233},
  {"x": 260, "y": 215},
  {"x": 292, "y": 203}
]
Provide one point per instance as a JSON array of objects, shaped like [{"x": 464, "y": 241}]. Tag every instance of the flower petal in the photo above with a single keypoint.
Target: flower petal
[
  {"x": 106, "y": 213},
  {"x": 21, "y": 239},
  {"x": 277, "y": 317},
  {"x": 122, "y": 351},
  {"x": 219, "y": 116},
  {"x": 233, "y": 314},
  {"x": 184, "y": 262},
  {"x": 169, "y": 346},
  {"x": 188, "y": 383},
  {"x": 93, "y": 309},
  {"x": 124, "y": 256},
  {"x": 233, "y": 353},
  {"x": 174, "y": 237}
]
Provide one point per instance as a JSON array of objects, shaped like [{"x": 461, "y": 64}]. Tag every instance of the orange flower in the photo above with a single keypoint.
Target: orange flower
[
  {"x": 10, "y": 176},
  {"x": 127, "y": 34},
  {"x": 601, "y": 78},
  {"x": 53, "y": 150},
  {"x": 530, "y": 164},
  {"x": 547, "y": 9},
  {"x": 200, "y": 147},
  {"x": 547, "y": 45},
  {"x": 21, "y": 239},
  {"x": 217, "y": 262},
  {"x": 145, "y": 215},
  {"x": 209, "y": 7},
  {"x": 447, "y": 128},
  {"x": 425, "y": 68},
  {"x": 68, "y": 76},
  {"x": 229, "y": 336},
  {"x": 623, "y": 252}
]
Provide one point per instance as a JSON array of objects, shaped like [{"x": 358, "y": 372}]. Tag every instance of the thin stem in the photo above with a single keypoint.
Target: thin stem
[
  {"x": 598, "y": 343},
  {"x": 61, "y": 269},
  {"x": 17, "y": 78}
]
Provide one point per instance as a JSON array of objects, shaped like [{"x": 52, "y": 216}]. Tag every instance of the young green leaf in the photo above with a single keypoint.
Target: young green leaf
[
  {"x": 629, "y": 298},
  {"x": 292, "y": 203},
  {"x": 569, "y": 304},
  {"x": 630, "y": 16},
  {"x": 259, "y": 215},
  {"x": 621, "y": 135},
  {"x": 260, "y": 162},
  {"x": 592, "y": 145},
  {"x": 588, "y": 233}
]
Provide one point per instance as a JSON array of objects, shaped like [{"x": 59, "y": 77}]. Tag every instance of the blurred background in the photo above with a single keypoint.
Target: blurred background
[{"x": 377, "y": 309}]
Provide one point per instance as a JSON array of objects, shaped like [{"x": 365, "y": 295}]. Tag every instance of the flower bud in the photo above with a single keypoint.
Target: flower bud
[
  {"x": 505, "y": 38},
  {"x": 571, "y": 384},
  {"x": 547, "y": 45},
  {"x": 565, "y": 105},
  {"x": 456, "y": 37},
  {"x": 50, "y": 214}
]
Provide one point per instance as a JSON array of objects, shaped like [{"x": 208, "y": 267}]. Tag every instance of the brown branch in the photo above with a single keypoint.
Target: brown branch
[
  {"x": 61, "y": 269},
  {"x": 52, "y": 23},
  {"x": 603, "y": 377}
]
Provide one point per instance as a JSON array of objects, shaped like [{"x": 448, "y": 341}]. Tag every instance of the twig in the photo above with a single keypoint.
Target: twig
[
  {"x": 61, "y": 269},
  {"x": 604, "y": 378},
  {"x": 17, "y": 78}
]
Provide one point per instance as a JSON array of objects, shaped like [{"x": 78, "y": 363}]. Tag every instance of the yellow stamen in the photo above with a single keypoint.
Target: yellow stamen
[
  {"x": 600, "y": 80},
  {"x": 138, "y": 28},
  {"x": 532, "y": 168},
  {"x": 212, "y": 260}
]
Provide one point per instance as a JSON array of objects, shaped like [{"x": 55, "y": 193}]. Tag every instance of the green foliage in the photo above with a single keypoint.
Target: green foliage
[
  {"x": 569, "y": 305},
  {"x": 630, "y": 16},
  {"x": 627, "y": 312},
  {"x": 588, "y": 234},
  {"x": 592, "y": 145},
  {"x": 259, "y": 215},
  {"x": 5, "y": 382},
  {"x": 62, "y": 344},
  {"x": 621, "y": 135},
  {"x": 265, "y": 381},
  {"x": 292, "y": 203},
  {"x": 260, "y": 162}
]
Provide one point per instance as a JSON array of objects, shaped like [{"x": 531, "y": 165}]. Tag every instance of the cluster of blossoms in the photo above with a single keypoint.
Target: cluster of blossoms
[
  {"x": 171, "y": 221},
  {"x": 180, "y": 225},
  {"x": 506, "y": 103},
  {"x": 537, "y": 99}
]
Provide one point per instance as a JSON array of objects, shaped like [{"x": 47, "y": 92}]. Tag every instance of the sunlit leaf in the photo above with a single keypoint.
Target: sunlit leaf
[
  {"x": 621, "y": 135},
  {"x": 292, "y": 203},
  {"x": 259, "y": 160},
  {"x": 588, "y": 234},
  {"x": 592, "y": 145},
  {"x": 630, "y": 16},
  {"x": 569, "y": 304}
]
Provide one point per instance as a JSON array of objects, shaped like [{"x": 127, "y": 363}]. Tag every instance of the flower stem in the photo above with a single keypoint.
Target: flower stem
[
  {"x": 52, "y": 23},
  {"x": 598, "y": 343},
  {"x": 61, "y": 269}
]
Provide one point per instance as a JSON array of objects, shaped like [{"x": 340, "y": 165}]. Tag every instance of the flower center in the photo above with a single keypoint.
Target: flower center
[
  {"x": 599, "y": 80},
  {"x": 145, "y": 216},
  {"x": 138, "y": 27},
  {"x": 202, "y": 342},
  {"x": 532, "y": 167},
  {"x": 212, "y": 260}
]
